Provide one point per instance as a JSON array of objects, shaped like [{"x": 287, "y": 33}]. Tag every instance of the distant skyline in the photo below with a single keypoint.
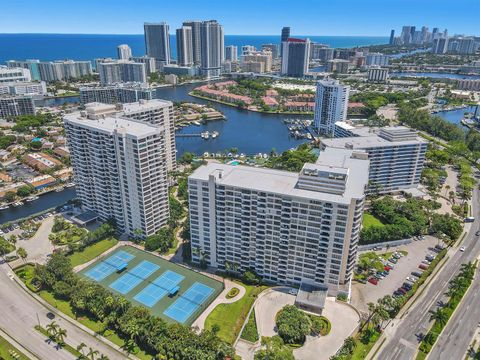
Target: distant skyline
[{"x": 248, "y": 17}]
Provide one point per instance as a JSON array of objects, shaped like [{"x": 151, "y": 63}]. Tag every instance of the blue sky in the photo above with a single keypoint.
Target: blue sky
[{"x": 243, "y": 17}]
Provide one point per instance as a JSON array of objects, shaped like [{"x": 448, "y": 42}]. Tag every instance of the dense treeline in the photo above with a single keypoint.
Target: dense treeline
[
  {"x": 132, "y": 323},
  {"x": 434, "y": 125},
  {"x": 403, "y": 219},
  {"x": 292, "y": 160}
]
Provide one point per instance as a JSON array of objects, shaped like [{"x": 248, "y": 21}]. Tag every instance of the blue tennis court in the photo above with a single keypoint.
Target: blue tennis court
[
  {"x": 189, "y": 302},
  {"x": 159, "y": 287},
  {"x": 134, "y": 277},
  {"x": 109, "y": 265}
]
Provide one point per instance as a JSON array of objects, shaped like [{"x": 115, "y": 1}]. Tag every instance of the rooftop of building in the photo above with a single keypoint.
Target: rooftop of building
[
  {"x": 143, "y": 105},
  {"x": 105, "y": 117},
  {"x": 367, "y": 137},
  {"x": 125, "y": 85},
  {"x": 282, "y": 182}
]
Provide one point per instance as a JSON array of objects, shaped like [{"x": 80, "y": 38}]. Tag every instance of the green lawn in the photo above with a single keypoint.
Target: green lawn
[
  {"x": 250, "y": 331},
  {"x": 5, "y": 347},
  {"x": 369, "y": 220},
  {"x": 361, "y": 350},
  {"x": 230, "y": 317},
  {"x": 92, "y": 251}
]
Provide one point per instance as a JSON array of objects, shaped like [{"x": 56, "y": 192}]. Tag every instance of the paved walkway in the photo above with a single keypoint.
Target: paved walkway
[{"x": 221, "y": 299}]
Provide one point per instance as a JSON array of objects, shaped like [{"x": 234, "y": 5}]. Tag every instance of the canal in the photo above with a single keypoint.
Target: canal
[
  {"x": 250, "y": 132},
  {"x": 45, "y": 202}
]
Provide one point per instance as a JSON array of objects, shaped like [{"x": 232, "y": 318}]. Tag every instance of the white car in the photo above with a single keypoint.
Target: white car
[
  {"x": 462, "y": 249},
  {"x": 411, "y": 279},
  {"x": 293, "y": 291}
]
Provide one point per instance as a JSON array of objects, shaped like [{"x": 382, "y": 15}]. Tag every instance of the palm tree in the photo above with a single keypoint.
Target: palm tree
[
  {"x": 92, "y": 353},
  {"x": 22, "y": 253},
  {"x": 129, "y": 346},
  {"x": 137, "y": 233},
  {"x": 102, "y": 357},
  {"x": 451, "y": 196},
  {"x": 349, "y": 344},
  {"x": 80, "y": 347},
  {"x": 440, "y": 316},
  {"x": 60, "y": 336},
  {"x": 52, "y": 329},
  {"x": 467, "y": 270}
]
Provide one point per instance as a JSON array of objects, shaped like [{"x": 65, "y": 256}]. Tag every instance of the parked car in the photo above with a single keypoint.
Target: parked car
[
  {"x": 407, "y": 285},
  {"x": 426, "y": 262},
  {"x": 423, "y": 266},
  {"x": 373, "y": 281},
  {"x": 416, "y": 273},
  {"x": 393, "y": 260},
  {"x": 411, "y": 279},
  {"x": 402, "y": 290},
  {"x": 430, "y": 257},
  {"x": 462, "y": 249},
  {"x": 477, "y": 233},
  {"x": 387, "y": 267}
]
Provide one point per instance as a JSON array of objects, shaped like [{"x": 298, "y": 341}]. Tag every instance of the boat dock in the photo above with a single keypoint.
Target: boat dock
[{"x": 204, "y": 135}]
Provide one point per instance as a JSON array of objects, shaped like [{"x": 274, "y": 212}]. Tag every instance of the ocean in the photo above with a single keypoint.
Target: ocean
[{"x": 89, "y": 47}]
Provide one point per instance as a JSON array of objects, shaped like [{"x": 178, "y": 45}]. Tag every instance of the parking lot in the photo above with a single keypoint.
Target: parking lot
[{"x": 362, "y": 294}]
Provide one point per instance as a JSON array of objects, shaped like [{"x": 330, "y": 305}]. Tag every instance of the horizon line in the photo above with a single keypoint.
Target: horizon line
[{"x": 173, "y": 34}]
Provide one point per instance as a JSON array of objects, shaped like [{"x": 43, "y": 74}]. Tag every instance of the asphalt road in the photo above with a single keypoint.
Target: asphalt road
[
  {"x": 404, "y": 335},
  {"x": 19, "y": 313},
  {"x": 457, "y": 335}
]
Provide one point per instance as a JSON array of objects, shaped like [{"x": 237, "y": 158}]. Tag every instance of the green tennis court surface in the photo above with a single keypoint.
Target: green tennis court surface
[{"x": 169, "y": 291}]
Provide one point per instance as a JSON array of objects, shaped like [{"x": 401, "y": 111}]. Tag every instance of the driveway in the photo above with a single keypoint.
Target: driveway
[
  {"x": 38, "y": 246},
  {"x": 343, "y": 317},
  {"x": 344, "y": 320},
  {"x": 362, "y": 294},
  {"x": 267, "y": 308}
]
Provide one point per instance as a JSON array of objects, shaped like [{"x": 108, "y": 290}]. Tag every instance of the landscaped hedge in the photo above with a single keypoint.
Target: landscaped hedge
[{"x": 232, "y": 293}]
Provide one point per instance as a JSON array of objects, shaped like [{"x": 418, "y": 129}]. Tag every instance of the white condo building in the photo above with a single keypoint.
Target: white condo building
[
  {"x": 120, "y": 168},
  {"x": 289, "y": 228},
  {"x": 8, "y": 74},
  {"x": 377, "y": 74},
  {"x": 397, "y": 154},
  {"x": 124, "y": 52},
  {"x": 231, "y": 53},
  {"x": 119, "y": 71},
  {"x": 331, "y": 104},
  {"x": 160, "y": 113}
]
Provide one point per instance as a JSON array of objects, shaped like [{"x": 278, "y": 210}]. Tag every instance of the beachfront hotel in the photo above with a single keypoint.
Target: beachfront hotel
[{"x": 290, "y": 228}]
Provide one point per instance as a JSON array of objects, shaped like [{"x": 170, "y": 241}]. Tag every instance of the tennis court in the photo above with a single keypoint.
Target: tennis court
[
  {"x": 189, "y": 302},
  {"x": 172, "y": 292},
  {"x": 109, "y": 265},
  {"x": 161, "y": 286},
  {"x": 134, "y": 277}
]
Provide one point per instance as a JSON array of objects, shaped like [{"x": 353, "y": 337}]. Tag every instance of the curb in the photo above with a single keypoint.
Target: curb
[
  {"x": 451, "y": 316},
  {"x": 72, "y": 321},
  {"x": 19, "y": 346}
]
